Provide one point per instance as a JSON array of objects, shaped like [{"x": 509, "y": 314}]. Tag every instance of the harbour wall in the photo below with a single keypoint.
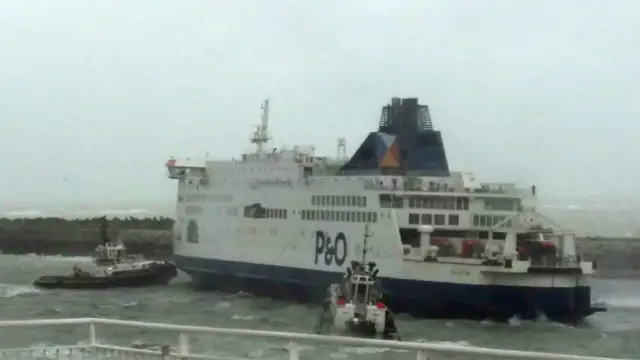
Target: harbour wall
[{"x": 151, "y": 237}]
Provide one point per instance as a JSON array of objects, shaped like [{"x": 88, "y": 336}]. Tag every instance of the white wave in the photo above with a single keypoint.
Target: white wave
[
  {"x": 22, "y": 214},
  {"x": 223, "y": 304},
  {"x": 626, "y": 302},
  {"x": 13, "y": 290},
  {"x": 86, "y": 212}
]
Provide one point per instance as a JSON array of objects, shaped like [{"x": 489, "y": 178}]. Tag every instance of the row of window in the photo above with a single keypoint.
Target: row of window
[
  {"x": 198, "y": 210},
  {"x": 205, "y": 197},
  {"x": 336, "y": 215},
  {"x": 489, "y": 221},
  {"x": 391, "y": 201},
  {"x": 504, "y": 204},
  {"x": 256, "y": 211},
  {"x": 275, "y": 213},
  {"x": 434, "y": 219},
  {"x": 339, "y": 200},
  {"x": 439, "y": 202}
]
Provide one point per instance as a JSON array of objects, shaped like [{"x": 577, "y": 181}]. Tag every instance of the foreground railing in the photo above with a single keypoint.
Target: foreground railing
[{"x": 94, "y": 348}]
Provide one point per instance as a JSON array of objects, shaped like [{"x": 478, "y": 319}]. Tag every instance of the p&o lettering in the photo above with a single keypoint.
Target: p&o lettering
[{"x": 331, "y": 250}]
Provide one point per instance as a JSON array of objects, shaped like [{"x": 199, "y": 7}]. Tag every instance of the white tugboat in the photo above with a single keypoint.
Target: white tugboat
[
  {"x": 112, "y": 267},
  {"x": 356, "y": 305}
]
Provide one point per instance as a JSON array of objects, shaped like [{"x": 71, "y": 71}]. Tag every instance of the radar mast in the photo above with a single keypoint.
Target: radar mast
[{"x": 261, "y": 135}]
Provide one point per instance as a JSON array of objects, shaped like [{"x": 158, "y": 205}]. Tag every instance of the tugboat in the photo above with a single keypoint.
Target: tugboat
[
  {"x": 355, "y": 305},
  {"x": 112, "y": 268}
]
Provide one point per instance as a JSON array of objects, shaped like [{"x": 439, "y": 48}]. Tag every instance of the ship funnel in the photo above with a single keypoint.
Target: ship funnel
[
  {"x": 404, "y": 115},
  {"x": 405, "y": 144}
]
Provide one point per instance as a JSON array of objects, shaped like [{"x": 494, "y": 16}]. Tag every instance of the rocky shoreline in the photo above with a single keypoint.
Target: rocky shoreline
[{"x": 151, "y": 237}]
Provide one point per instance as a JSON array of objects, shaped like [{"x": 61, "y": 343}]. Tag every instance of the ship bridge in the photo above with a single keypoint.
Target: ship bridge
[{"x": 405, "y": 144}]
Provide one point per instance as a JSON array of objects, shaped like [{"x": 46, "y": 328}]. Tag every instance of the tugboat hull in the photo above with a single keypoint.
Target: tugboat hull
[{"x": 156, "y": 274}]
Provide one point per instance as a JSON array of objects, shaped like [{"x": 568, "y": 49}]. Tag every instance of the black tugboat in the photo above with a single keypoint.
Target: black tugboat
[
  {"x": 355, "y": 305},
  {"x": 112, "y": 267}
]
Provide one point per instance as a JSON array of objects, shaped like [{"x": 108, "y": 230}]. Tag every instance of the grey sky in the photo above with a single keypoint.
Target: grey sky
[{"x": 96, "y": 95}]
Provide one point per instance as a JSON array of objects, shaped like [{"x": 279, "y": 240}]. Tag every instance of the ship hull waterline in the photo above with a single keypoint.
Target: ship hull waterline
[{"x": 421, "y": 299}]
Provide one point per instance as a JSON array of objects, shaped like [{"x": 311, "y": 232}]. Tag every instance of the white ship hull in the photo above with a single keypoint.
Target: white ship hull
[
  {"x": 258, "y": 225},
  {"x": 281, "y": 258}
]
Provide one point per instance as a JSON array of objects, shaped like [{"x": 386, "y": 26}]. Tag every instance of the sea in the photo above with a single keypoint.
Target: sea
[{"x": 614, "y": 333}]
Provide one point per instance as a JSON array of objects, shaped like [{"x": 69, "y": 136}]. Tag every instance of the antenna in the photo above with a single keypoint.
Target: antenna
[
  {"x": 261, "y": 136},
  {"x": 365, "y": 248}
]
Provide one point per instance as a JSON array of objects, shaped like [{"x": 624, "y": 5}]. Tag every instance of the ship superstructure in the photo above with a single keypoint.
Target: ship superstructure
[{"x": 286, "y": 223}]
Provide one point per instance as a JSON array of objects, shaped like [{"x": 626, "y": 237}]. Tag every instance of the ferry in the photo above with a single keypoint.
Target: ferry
[{"x": 286, "y": 223}]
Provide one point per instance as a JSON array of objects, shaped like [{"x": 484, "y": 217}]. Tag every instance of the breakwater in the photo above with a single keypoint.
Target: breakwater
[{"x": 151, "y": 237}]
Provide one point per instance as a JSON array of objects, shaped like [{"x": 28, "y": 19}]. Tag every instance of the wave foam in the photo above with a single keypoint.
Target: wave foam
[
  {"x": 14, "y": 290},
  {"x": 626, "y": 302}
]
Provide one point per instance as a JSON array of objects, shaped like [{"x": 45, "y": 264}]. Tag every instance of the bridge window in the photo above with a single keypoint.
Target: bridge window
[
  {"x": 427, "y": 219},
  {"x": 391, "y": 201},
  {"x": 489, "y": 221},
  {"x": 501, "y": 204},
  {"x": 462, "y": 204},
  {"x": 414, "y": 219},
  {"x": 454, "y": 220},
  {"x": 438, "y": 202},
  {"x": 449, "y": 203},
  {"x": 438, "y": 219}
]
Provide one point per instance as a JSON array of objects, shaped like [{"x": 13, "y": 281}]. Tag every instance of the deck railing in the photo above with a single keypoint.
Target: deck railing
[{"x": 94, "y": 348}]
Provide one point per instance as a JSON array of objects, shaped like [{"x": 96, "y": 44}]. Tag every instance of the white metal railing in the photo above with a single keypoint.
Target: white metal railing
[{"x": 94, "y": 349}]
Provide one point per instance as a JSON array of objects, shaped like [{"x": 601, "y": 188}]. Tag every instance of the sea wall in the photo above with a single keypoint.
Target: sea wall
[
  {"x": 615, "y": 257},
  {"x": 151, "y": 237}
]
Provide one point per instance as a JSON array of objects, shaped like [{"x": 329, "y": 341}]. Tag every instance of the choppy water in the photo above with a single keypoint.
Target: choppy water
[{"x": 614, "y": 333}]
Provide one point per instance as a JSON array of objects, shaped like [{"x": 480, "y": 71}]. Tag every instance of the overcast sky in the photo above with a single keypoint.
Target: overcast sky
[{"x": 96, "y": 95}]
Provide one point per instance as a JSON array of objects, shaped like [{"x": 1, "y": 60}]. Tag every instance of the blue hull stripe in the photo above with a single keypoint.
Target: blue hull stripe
[{"x": 423, "y": 299}]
